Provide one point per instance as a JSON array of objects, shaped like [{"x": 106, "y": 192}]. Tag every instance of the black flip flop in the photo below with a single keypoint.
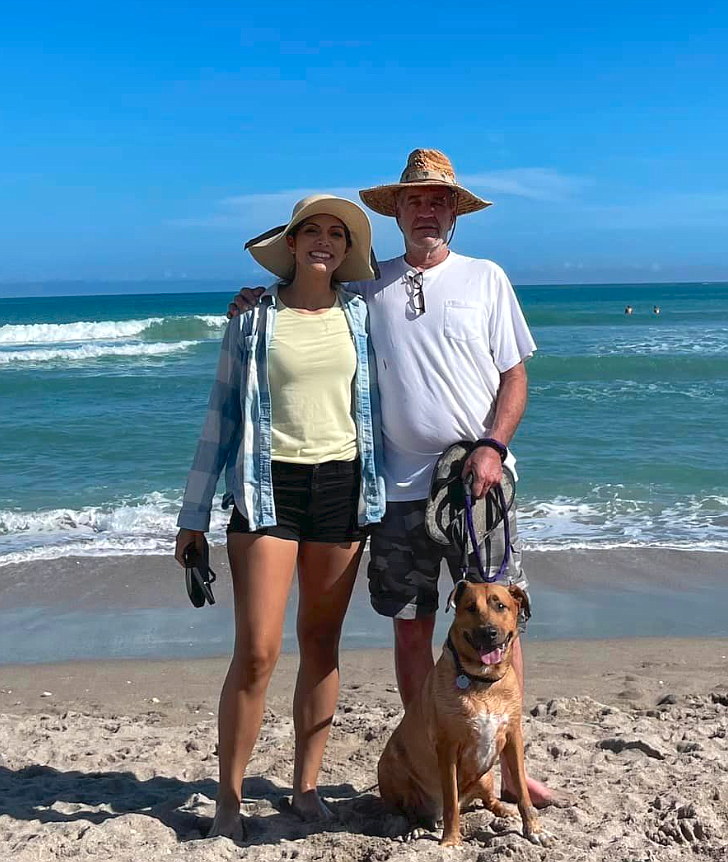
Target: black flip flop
[{"x": 199, "y": 576}]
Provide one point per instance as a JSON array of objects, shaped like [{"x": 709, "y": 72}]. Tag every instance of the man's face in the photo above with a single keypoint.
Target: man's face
[{"x": 425, "y": 215}]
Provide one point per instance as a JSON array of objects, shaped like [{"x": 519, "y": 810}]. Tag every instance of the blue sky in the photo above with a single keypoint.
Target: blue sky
[{"x": 149, "y": 140}]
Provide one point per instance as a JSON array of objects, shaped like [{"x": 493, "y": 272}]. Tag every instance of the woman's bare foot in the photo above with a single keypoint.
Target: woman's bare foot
[
  {"x": 309, "y": 806},
  {"x": 227, "y": 823}
]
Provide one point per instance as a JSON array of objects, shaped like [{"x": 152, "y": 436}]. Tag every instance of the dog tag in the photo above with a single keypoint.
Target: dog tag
[{"x": 462, "y": 682}]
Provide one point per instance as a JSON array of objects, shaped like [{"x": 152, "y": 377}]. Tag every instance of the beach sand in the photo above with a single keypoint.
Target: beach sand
[{"x": 116, "y": 760}]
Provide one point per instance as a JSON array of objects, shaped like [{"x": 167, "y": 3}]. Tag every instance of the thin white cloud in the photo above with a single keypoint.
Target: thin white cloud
[
  {"x": 247, "y": 211},
  {"x": 250, "y": 210},
  {"x": 541, "y": 184}
]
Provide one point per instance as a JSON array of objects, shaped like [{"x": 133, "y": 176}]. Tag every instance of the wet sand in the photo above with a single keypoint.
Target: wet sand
[{"x": 136, "y": 606}]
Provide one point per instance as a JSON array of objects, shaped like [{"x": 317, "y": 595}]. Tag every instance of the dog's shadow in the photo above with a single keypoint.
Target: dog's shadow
[{"x": 30, "y": 793}]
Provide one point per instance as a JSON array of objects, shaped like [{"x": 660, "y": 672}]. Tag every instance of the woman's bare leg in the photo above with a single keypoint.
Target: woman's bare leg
[
  {"x": 262, "y": 571},
  {"x": 326, "y": 575}
]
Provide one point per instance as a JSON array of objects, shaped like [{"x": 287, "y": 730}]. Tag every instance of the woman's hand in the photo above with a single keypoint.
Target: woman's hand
[{"x": 185, "y": 538}]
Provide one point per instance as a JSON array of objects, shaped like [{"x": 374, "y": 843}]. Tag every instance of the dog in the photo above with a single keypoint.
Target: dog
[{"x": 440, "y": 756}]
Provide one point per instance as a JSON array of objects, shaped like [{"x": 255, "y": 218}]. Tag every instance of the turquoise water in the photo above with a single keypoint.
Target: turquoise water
[{"x": 623, "y": 443}]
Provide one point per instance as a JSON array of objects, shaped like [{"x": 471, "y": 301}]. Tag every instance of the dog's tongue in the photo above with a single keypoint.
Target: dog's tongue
[{"x": 492, "y": 657}]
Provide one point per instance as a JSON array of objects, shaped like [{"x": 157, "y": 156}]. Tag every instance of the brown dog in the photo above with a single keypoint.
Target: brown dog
[{"x": 468, "y": 712}]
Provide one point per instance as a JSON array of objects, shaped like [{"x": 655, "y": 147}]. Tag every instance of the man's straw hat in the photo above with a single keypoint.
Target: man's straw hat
[
  {"x": 271, "y": 251},
  {"x": 424, "y": 168}
]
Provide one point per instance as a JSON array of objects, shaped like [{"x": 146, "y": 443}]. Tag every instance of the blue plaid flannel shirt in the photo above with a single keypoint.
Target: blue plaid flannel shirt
[{"x": 236, "y": 436}]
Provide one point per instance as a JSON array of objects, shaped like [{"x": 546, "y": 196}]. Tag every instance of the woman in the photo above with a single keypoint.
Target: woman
[{"x": 294, "y": 417}]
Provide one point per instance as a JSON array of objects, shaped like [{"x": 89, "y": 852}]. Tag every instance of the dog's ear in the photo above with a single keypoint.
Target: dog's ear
[
  {"x": 455, "y": 595},
  {"x": 521, "y": 596}
]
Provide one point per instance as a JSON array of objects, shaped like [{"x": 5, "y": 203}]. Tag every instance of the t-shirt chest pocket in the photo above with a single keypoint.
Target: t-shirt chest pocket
[{"x": 463, "y": 320}]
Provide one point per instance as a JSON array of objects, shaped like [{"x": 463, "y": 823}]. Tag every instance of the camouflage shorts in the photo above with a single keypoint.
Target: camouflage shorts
[{"x": 405, "y": 562}]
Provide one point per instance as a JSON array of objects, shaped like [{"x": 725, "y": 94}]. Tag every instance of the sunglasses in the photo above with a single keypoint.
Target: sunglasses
[
  {"x": 415, "y": 295},
  {"x": 199, "y": 577}
]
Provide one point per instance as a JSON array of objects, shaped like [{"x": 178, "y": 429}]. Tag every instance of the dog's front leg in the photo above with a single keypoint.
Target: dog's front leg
[
  {"x": 513, "y": 752},
  {"x": 447, "y": 762}
]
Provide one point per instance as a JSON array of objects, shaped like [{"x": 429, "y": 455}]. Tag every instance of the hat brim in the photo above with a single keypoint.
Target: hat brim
[
  {"x": 382, "y": 199},
  {"x": 446, "y": 502},
  {"x": 271, "y": 251}
]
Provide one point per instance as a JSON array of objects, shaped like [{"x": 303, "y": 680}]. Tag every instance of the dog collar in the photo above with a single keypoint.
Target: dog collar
[{"x": 463, "y": 678}]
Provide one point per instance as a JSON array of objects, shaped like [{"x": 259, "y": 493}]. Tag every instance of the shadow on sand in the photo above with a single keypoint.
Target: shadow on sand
[{"x": 30, "y": 793}]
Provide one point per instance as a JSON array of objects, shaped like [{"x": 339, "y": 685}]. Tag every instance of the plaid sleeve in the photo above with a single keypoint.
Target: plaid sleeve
[{"x": 218, "y": 434}]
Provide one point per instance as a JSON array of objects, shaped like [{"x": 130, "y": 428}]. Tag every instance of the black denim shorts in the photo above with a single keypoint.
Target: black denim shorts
[{"x": 313, "y": 502}]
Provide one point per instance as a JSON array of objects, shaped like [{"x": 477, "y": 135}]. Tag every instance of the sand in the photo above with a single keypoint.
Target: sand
[{"x": 116, "y": 760}]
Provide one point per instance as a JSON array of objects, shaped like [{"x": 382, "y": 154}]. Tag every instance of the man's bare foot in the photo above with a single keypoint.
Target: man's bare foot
[
  {"x": 541, "y": 796},
  {"x": 227, "y": 823},
  {"x": 308, "y": 806}
]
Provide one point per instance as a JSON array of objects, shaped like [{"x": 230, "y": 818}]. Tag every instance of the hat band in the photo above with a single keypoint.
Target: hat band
[{"x": 428, "y": 177}]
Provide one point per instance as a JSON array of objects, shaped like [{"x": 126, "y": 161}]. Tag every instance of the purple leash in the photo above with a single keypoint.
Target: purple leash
[{"x": 473, "y": 538}]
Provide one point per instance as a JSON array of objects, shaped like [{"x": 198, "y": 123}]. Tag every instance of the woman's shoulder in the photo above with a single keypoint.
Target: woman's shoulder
[
  {"x": 346, "y": 294},
  {"x": 242, "y": 324}
]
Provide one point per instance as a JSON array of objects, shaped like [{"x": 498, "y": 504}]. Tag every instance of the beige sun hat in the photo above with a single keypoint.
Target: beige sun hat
[
  {"x": 424, "y": 168},
  {"x": 271, "y": 251}
]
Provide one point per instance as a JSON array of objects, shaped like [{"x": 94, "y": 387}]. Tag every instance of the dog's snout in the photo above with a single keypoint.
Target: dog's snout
[{"x": 489, "y": 634}]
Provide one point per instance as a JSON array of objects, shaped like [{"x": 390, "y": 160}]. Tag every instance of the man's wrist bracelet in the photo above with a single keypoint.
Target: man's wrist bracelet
[{"x": 492, "y": 443}]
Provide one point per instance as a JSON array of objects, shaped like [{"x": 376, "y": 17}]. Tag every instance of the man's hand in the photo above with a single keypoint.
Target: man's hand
[
  {"x": 185, "y": 538},
  {"x": 244, "y": 301},
  {"x": 485, "y": 465}
]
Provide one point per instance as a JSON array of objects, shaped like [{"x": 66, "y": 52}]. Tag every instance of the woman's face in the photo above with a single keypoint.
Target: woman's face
[{"x": 319, "y": 244}]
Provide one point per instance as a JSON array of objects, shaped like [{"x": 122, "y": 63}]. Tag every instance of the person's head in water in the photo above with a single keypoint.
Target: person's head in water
[
  {"x": 628, "y": 309},
  {"x": 655, "y": 309}
]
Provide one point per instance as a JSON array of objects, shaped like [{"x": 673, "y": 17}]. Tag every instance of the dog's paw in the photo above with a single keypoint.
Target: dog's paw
[
  {"x": 451, "y": 841},
  {"x": 505, "y": 812},
  {"x": 541, "y": 839}
]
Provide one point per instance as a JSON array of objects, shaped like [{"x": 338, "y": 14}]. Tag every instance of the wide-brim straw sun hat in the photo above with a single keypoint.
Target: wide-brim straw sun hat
[
  {"x": 424, "y": 168},
  {"x": 271, "y": 251}
]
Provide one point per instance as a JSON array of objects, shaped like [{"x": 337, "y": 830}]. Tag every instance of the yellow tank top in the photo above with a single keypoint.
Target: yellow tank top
[{"x": 311, "y": 368}]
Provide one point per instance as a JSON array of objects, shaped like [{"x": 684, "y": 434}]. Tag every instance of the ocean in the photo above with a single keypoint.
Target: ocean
[{"x": 623, "y": 443}]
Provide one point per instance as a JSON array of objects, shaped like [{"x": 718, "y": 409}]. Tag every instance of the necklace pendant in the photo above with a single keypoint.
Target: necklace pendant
[{"x": 462, "y": 682}]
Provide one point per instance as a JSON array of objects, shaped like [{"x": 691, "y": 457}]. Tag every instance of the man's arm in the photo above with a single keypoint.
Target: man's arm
[
  {"x": 485, "y": 463},
  {"x": 511, "y": 403},
  {"x": 244, "y": 301}
]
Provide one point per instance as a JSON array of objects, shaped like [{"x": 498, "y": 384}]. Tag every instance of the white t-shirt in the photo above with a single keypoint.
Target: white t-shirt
[{"x": 439, "y": 372}]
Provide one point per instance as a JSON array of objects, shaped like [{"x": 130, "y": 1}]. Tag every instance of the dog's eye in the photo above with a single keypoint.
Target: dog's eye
[
  {"x": 472, "y": 608},
  {"x": 500, "y": 606}
]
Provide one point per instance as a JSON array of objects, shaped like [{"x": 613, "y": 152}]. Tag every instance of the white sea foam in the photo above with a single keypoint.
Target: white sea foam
[
  {"x": 143, "y": 526},
  {"x": 99, "y": 330},
  {"x": 147, "y": 525},
  {"x": 611, "y": 520},
  {"x": 682, "y": 341},
  {"x": 82, "y": 330},
  {"x": 92, "y": 351},
  {"x": 212, "y": 320},
  {"x": 637, "y": 391}
]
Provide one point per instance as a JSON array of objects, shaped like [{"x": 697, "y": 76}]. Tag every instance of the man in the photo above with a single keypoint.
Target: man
[{"x": 450, "y": 342}]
